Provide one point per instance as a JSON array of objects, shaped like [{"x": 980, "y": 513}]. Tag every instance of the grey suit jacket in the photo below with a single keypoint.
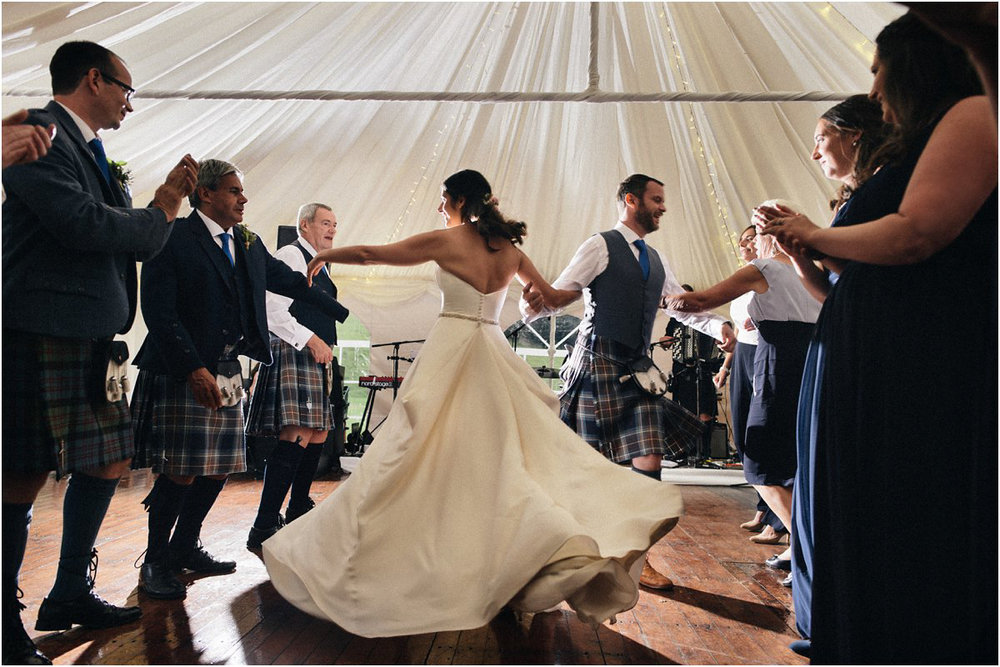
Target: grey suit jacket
[{"x": 71, "y": 240}]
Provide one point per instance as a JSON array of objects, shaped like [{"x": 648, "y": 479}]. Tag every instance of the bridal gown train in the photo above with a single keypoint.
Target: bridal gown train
[{"x": 474, "y": 495}]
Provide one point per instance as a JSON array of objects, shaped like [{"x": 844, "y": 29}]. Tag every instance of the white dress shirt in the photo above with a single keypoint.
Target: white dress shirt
[
  {"x": 214, "y": 229},
  {"x": 88, "y": 134},
  {"x": 590, "y": 261},
  {"x": 279, "y": 321}
]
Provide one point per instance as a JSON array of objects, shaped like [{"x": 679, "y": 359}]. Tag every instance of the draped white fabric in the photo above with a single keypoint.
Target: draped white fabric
[{"x": 369, "y": 106}]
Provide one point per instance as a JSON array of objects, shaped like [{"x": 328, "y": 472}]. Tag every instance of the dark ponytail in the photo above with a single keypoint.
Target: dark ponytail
[{"x": 480, "y": 207}]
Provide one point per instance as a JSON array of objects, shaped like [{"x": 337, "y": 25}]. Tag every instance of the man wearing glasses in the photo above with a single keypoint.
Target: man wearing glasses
[{"x": 70, "y": 242}]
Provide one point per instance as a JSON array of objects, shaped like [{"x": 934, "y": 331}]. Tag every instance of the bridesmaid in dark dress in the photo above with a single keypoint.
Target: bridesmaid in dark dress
[
  {"x": 847, "y": 139},
  {"x": 905, "y": 430}
]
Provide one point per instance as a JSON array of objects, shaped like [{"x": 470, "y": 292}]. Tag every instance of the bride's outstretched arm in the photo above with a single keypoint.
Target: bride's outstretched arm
[
  {"x": 417, "y": 249},
  {"x": 552, "y": 298}
]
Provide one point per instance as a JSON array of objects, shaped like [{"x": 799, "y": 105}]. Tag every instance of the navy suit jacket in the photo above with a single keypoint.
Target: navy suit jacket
[
  {"x": 71, "y": 240},
  {"x": 188, "y": 293}
]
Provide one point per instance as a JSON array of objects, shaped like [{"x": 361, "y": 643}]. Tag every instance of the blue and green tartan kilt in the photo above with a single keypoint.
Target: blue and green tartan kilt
[
  {"x": 618, "y": 418},
  {"x": 292, "y": 391},
  {"x": 55, "y": 413},
  {"x": 176, "y": 435}
]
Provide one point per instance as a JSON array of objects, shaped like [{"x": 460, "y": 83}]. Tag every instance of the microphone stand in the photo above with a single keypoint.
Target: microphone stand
[{"x": 395, "y": 359}]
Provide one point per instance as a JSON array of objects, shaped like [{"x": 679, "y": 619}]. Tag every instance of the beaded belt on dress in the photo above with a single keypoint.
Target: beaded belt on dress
[{"x": 472, "y": 318}]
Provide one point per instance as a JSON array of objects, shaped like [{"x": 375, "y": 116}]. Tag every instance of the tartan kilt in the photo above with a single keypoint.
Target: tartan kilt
[
  {"x": 55, "y": 413},
  {"x": 292, "y": 391},
  {"x": 175, "y": 435},
  {"x": 619, "y": 419}
]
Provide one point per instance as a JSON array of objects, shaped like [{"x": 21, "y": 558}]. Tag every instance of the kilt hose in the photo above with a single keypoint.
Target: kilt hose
[
  {"x": 176, "y": 435},
  {"x": 619, "y": 419},
  {"x": 292, "y": 391},
  {"x": 55, "y": 412}
]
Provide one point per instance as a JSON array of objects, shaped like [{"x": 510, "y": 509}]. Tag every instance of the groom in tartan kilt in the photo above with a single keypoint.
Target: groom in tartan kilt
[{"x": 623, "y": 281}]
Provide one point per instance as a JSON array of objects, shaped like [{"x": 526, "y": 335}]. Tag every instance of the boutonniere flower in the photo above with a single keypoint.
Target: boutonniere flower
[
  {"x": 247, "y": 236},
  {"x": 120, "y": 173}
]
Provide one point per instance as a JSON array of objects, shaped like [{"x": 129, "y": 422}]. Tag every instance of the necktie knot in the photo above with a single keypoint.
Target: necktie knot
[
  {"x": 97, "y": 148},
  {"x": 224, "y": 237},
  {"x": 643, "y": 257}
]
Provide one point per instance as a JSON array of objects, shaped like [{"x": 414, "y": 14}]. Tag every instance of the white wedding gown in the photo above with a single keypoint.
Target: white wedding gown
[{"x": 473, "y": 495}]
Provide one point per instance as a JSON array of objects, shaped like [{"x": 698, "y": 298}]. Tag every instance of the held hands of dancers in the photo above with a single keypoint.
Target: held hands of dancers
[
  {"x": 533, "y": 298},
  {"x": 542, "y": 297},
  {"x": 679, "y": 303},
  {"x": 179, "y": 184},
  {"x": 793, "y": 231},
  {"x": 24, "y": 143}
]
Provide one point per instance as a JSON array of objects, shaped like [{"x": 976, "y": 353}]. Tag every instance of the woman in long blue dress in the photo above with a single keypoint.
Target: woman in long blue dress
[
  {"x": 904, "y": 430},
  {"x": 846, "y": 142}
]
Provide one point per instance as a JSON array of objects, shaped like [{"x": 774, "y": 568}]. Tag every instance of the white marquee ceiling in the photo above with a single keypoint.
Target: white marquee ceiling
[{"x": 369, "y": 106}]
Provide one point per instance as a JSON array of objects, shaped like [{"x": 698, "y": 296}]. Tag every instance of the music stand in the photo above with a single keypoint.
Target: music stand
[{"x": 361, "y": 437}]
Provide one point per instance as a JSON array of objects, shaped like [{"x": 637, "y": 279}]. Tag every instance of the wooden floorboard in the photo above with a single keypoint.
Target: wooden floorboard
[{"x": 726, "y": 608}]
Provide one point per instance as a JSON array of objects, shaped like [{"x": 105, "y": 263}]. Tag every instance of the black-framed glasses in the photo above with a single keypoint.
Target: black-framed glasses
[{"x": 129, "y": 90}]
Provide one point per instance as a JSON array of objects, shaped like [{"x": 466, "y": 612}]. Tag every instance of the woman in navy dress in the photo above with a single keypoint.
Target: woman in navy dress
[
  {"x": 904, "y": 430},
  {"x": 846, "y": 143}
]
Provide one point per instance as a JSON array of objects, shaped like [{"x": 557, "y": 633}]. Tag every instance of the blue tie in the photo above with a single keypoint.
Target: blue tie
[
  {"x": 225, "y": 236},
  {"x": 643, "y": 258},
  {"x": 97, "y": 148}
]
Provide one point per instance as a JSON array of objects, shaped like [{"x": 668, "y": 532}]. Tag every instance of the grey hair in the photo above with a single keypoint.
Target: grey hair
[
  {"x": 308, "y": 212},
  {"x": 210, "y": 172},
  {"x": 767, "y": 246}
]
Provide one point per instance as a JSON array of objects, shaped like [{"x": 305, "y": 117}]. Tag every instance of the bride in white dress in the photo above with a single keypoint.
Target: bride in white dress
[{"x": 474, "y": 495}]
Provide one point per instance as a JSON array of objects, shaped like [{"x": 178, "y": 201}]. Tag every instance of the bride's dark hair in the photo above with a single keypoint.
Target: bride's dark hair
[{"x": 480, "y": 207}]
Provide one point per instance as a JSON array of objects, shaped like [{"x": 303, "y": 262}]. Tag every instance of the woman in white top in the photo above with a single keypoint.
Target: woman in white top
[
  {"x": 783, "y": 312},
  {"x": 739, "y": 364}
]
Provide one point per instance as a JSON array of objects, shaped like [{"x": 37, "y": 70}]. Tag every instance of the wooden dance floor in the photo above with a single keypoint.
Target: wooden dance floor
[{"x": 727, "y": 608}]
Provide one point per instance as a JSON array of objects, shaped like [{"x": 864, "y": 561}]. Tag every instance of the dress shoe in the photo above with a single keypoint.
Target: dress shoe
[
  {"x": 199, "y": 560},
  {"x": 157, "y": 581},
  {"x": 768, "y": 536},
  {"x": 787, "y": 581},
  {"x": 776, "y": 563},
  {"x": 257, "y": 535},
  {"x": 293, "y": 512},
  {"x": 18, "y": 649},
  {"x": 88, "y": 610},
  {"x": 801, "y": 646},
  {"x": 650, "y": 578}
]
